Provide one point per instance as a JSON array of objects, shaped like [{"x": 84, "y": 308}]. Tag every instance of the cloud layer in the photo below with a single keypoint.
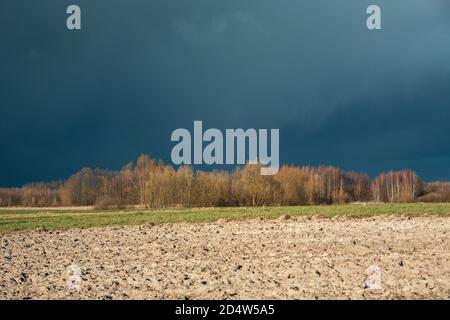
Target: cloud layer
[{"x": 340, "y": 94}]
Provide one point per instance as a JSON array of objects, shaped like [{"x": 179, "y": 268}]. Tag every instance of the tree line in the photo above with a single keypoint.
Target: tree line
[{"x": 153, "y": 184}]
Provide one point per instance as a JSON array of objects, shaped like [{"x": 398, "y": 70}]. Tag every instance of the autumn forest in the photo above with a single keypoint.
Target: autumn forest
[{"x": 153, "y": 184}]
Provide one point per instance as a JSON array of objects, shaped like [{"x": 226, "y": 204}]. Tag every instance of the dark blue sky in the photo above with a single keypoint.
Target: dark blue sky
[{"x": 339, "y": 93}]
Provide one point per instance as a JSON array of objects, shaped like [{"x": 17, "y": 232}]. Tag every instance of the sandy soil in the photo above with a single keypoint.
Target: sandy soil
[{"x": 282, "y": 259}]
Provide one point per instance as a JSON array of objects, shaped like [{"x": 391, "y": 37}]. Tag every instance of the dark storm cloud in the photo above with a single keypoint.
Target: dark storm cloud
[{"x": 137, "y": 70}]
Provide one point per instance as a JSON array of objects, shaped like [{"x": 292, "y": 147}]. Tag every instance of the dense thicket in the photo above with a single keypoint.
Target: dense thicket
[{"x": 153, "y": 184}]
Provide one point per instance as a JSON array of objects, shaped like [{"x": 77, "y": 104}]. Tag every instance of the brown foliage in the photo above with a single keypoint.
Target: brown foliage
[
  {"x": 402, "y": 186},
  {"x": 153, "y": 184}
]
